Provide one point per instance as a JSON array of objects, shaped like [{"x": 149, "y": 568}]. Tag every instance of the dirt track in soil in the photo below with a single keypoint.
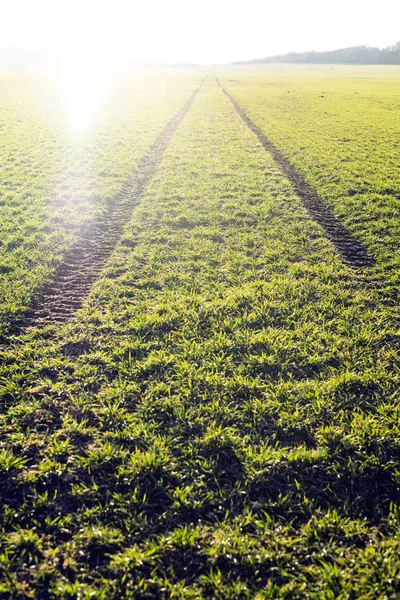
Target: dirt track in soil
[
  {"x": 59, "y": 300},
  {"x": 353, "y": 252}
]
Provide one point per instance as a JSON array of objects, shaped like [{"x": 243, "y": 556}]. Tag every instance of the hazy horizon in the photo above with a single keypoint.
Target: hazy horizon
[{"x": 204, "y": 34}]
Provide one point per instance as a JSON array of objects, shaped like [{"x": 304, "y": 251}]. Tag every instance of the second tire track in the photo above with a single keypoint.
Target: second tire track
[
  {"x": 351, "y": 249},
  {"x": 58, "y": 301}
]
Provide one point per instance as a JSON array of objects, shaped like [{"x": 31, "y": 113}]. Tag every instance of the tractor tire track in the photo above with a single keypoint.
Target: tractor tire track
[
  {"x": 353, "y": 252},
  {"x": 58, "y": 301}
]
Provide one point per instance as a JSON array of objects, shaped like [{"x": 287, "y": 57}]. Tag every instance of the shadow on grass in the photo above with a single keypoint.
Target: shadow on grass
[{"x": 356, "y": 482}]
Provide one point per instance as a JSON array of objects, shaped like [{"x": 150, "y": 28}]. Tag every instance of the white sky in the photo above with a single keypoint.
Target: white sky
[{"x": 206, "y": 31}]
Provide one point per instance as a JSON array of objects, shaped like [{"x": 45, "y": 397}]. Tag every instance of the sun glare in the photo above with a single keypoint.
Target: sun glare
[{"x": 84, "y": 85}]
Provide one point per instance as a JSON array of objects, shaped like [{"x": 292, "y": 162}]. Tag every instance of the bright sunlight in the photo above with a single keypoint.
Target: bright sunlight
[{"x": 85, "y": 84}]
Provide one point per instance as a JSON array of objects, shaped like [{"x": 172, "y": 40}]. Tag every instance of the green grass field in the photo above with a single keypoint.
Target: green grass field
[
  {"x": 55, "y": 179},
  {"x": 220, "y": 419}
]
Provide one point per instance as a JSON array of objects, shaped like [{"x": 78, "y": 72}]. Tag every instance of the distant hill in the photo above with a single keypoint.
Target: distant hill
[{"x": 356, "y": 55}]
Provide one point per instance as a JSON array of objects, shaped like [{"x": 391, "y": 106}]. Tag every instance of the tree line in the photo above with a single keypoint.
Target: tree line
[{"x": 356, "y": 55}]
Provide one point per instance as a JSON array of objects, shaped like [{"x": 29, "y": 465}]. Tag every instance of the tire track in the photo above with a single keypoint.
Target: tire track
[
  {"x": 58, "y": 301},
  {"x": 353, "y": 252}
]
